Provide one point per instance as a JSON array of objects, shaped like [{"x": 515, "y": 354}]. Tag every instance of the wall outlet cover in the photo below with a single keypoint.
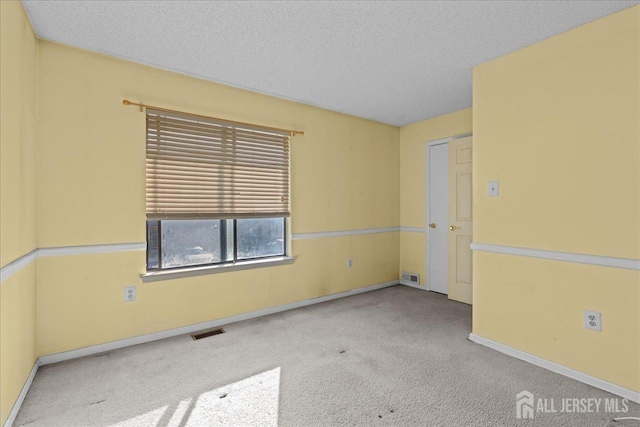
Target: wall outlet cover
[
  {"x": 130, "y": 293},
  {"x": 593, "y": 320}
]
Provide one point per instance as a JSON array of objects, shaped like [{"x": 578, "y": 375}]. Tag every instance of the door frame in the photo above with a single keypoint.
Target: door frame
[{"x": 430, "y": 144}]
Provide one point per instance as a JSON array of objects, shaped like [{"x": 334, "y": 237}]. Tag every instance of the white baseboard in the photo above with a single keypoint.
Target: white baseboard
[
  {"x": 612, "y": 388},
  {"x": 100, "y": 348},
  {"x": 23, "y": 393},
  {"x": 413, "y": 285}
]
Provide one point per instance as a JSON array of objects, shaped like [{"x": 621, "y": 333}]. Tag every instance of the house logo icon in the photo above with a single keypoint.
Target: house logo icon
[{"x": 524, "y": 405}]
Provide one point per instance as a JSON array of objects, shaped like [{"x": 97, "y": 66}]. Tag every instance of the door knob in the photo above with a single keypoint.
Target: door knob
[
  {"x": 432, "y": 225},
  {"x": 453, "y": 228}
]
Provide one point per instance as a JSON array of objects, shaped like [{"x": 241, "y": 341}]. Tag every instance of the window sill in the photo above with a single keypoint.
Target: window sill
[{"x": 156, "y": 276}]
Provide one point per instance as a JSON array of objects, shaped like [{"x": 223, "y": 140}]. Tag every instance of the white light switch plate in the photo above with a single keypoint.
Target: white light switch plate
[
  {"x": 593, "y": 320},
  {"x": 493, "y": 188}
]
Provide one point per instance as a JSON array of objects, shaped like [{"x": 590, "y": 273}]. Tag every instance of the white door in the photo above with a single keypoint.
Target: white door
[
  {"x": 438, "y": 217},
  {"x": 460, "y": 220}
]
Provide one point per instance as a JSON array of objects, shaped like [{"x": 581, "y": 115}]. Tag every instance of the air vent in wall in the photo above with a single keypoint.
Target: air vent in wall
[
  {"x": 205, "y": 334},
  {"x": 411, "y": 277}
]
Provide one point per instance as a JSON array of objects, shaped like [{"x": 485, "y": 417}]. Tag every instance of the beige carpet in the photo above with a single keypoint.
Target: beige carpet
[{"x": 393, "y": 357}]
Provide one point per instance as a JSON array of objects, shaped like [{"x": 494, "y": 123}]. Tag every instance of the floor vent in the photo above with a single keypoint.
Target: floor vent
[
  {"x": 411, "y": 277},
  {"x": 209, "y": 333}
]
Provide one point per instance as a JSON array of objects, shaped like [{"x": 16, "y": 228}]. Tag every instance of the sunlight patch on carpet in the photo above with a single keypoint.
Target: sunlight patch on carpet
[{"x": 252, "y": 401}]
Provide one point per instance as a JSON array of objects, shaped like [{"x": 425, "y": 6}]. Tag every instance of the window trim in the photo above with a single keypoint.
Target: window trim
[
  {"x": 192, "y": 271},
  {"x": 228, "y": 263}
]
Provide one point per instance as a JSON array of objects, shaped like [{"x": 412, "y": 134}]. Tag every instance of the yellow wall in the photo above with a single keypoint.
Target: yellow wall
[
  {"x": 18, "y": 347},
  {"x": 557, "y": 124},
  {"x": 413, "y": 174},
  {"x": 96, "y": 314},
  {"x": 18, "y": 133},
  {"x": 91, "y": 188},
  {"x": 549, "y": 324},
  {"x": 18, "y": 53}
]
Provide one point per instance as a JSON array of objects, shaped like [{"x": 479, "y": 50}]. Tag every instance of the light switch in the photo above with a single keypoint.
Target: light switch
[{"x": 493, "y": 189}]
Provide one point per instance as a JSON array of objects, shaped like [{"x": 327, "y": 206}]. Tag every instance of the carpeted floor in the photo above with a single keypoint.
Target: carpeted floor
[{"x": 394, "y": 357}]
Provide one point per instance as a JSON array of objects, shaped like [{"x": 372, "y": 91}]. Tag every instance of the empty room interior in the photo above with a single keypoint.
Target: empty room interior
[{"x": 319, "y": 213}]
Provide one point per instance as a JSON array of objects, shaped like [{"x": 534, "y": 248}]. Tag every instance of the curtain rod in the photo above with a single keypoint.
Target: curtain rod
[{"x": 292, "y": 132}]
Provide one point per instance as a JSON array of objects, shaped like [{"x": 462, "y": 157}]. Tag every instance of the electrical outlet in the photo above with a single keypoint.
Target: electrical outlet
[
  {"x": 349, "y": 263},
  {"x": 130, "y": 293},
  {"x": 593, "y": 320}
]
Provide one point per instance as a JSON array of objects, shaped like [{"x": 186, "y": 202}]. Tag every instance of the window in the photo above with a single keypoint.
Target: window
[
  {"x": 217, "y": 192},
  {"x": 183, "y": 243}
]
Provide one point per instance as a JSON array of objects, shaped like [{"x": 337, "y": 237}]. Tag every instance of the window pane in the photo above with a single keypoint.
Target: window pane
[
  {"x": 152, "y": 245},
  {"x": 260, "y": 237},
  {"x": 190, "y": 242}
]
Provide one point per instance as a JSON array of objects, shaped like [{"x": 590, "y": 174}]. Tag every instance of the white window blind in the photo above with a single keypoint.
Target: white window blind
[{"x": 201, "y": 168}]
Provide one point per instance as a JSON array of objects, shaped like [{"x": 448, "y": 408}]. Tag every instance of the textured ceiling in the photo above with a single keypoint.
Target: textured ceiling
[{"x": 393, "y": 62}]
